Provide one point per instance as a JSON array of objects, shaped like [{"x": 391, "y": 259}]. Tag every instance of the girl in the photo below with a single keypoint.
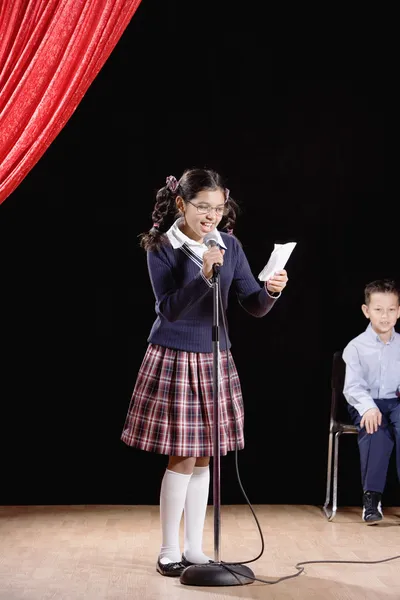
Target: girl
[{"x": 171, "y": 411}]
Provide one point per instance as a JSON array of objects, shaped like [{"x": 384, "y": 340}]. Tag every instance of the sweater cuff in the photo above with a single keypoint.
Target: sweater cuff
[
  {"x": 272, "y": 294},
  {"x": 208, "y": 281}
]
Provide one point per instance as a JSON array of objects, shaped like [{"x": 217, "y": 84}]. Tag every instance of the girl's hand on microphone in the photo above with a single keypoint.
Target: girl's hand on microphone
[{"x": 214, "y": 256}]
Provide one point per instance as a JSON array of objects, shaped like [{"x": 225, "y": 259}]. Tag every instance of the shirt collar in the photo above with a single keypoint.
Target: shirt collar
[
  {"x": 178, "y": 238},
  {"x": 376, "y": 337}
]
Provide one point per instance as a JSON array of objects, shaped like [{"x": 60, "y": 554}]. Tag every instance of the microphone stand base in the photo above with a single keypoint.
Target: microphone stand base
[{"x": 217, "y": 574}]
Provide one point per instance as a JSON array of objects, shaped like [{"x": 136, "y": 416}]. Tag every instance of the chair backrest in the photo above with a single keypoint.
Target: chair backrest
[{"x": 339, "y": 405}]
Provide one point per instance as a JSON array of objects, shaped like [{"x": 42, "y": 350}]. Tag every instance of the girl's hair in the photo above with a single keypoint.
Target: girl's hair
[{"x": 192, "y": 182}]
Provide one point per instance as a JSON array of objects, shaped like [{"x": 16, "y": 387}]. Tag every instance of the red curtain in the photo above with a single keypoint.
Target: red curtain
[{"x": 50, "y": 52}]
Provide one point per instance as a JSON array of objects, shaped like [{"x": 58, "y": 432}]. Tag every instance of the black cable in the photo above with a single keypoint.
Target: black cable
[
  {"x": 309, "y": 562},
  {"x": 298, "y": 566},
  {"x": 236, "y": 438}
]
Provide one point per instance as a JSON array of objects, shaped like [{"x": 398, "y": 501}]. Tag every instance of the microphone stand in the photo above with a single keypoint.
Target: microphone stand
[{"x": 217, "y": 573}]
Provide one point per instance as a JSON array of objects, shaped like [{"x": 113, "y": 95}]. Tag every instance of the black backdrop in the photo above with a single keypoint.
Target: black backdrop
[{"x": 295, "y": 122}]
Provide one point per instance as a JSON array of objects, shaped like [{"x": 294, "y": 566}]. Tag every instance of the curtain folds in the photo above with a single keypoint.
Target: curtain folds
[{"x": 50, "y": 52}]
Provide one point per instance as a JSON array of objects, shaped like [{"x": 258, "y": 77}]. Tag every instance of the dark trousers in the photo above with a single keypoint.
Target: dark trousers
[{"x": 376, "y": 448}]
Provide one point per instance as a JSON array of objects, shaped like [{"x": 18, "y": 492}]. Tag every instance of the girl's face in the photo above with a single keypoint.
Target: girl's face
[{"x": 202, "y": 214}]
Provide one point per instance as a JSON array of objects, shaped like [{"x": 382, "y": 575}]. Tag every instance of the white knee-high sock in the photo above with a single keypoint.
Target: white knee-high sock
[
  {"x": 172, "y": 500},
  {"x": 195, "y": 513}
]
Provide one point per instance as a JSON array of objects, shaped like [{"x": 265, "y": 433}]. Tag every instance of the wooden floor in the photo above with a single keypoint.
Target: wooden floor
[{"x": 109, "y": 552}]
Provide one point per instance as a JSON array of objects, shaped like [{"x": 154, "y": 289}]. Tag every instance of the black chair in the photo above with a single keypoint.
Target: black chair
[{"x": 339, "y": 424}]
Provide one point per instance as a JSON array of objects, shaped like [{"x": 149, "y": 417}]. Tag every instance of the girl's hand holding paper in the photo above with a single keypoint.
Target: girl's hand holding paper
[{"x": 277, "y": 282}]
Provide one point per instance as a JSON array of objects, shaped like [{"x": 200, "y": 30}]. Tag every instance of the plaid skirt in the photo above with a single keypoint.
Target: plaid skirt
[{"x": 171, "y": 410}]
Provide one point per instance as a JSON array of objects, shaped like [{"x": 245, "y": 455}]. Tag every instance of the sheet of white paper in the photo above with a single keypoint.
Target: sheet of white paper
[{"x": 277, "y": 260}]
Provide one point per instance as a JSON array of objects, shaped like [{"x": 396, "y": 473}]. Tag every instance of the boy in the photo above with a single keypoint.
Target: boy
[{"x": 371, "y": 388}]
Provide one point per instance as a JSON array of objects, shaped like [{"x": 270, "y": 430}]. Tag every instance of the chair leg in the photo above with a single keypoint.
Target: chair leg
[
  {"x": 328, "y": 479},
  {"x": 335, "y": 475}
]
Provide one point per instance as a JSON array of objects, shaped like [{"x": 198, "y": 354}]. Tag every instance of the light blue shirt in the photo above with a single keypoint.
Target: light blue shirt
[{"x": 372, "y": 369}]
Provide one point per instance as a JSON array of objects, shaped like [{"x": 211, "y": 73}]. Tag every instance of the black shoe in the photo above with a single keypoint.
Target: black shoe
[
  {"x": 172, "y": 569},
  {"x": 187, "y": 562},
  {"x": 372, "y": 507}
]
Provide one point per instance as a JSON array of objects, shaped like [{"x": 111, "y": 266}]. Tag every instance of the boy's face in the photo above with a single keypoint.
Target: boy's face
[{"x": 383, "y": 311}]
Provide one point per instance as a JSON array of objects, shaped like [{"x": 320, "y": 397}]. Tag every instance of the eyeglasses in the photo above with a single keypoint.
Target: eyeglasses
[{"x": 204, "y": 209}]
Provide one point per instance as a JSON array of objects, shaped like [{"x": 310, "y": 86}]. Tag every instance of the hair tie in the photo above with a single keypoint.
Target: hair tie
[
  {"x": 156, "y": 225},
  {"x": 229, "y": 231},
  {"x": 172, "y": 183}
]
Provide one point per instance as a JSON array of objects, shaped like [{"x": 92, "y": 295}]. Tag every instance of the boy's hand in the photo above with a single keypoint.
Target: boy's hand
[{"x": 371, "y": 419}]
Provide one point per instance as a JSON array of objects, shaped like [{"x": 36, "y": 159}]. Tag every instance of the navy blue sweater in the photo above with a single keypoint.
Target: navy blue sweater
[{"x": 184, "y": 300}]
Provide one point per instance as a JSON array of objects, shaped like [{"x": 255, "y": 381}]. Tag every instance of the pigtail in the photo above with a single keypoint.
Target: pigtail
[
  {"x": 163, "y": 211},
  {"x": 230, "y": 218}
]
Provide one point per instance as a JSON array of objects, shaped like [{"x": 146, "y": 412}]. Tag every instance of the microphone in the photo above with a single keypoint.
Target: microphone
[{"x": 211, "y": 240}]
